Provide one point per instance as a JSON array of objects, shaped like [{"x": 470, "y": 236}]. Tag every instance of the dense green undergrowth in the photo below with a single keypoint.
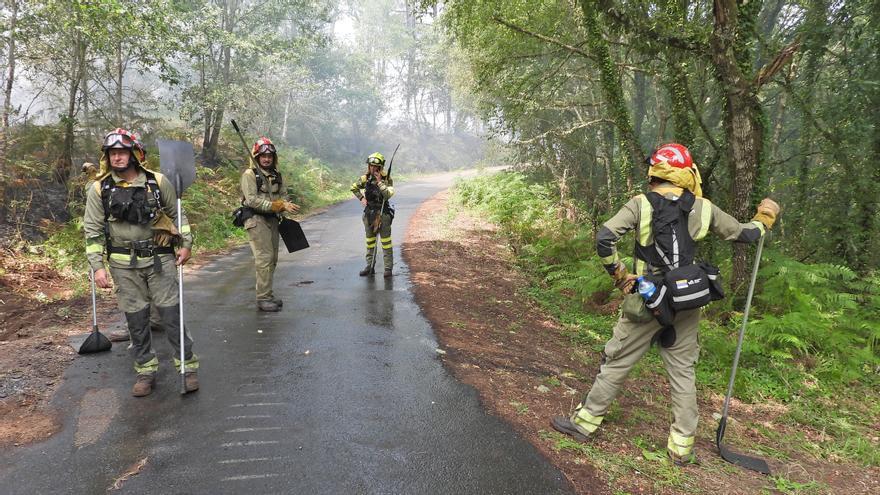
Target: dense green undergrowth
[
  {"x": 812, "y": 342},
  {"x": 209, "y": 203}
]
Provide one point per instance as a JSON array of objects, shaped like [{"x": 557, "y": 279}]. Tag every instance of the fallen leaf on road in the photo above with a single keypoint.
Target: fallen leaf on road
[{"x": 134, "y": 470}]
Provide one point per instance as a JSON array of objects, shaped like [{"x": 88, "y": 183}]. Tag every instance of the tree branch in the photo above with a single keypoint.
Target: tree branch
[
  {"x": 770, "y": 69},
  {"x": 566, "y": 132},
  {"x": 541, "y": 37},
  {"x": 645, "y": 31}
]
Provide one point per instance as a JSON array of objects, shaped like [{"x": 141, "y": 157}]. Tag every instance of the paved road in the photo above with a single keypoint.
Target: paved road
[{"x": 340, "y": 393}]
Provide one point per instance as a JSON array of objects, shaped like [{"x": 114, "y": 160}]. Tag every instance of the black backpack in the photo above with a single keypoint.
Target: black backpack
[{"x": 684, "y": 284}]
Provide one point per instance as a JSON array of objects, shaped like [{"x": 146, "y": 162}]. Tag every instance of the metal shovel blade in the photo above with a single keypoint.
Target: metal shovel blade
[
  {"x": 95, "y": 342},
  {"x": 292, "y": 234},
  {"x": 742, "y": 460},
  {"x": 177, "y": 161}
]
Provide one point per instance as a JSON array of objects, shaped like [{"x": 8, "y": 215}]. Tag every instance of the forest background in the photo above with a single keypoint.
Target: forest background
[{"x": 774, "y": 98}]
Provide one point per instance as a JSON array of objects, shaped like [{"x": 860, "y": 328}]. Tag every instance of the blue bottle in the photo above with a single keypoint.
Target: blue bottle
[{"x": 646, "y": 288}]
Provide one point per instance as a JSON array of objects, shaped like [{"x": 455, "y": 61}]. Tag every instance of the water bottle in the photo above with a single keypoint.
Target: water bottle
[{"x": 646, "y": 288}]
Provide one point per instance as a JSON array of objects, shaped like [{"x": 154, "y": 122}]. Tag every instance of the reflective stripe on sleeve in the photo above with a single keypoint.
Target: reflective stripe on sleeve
[
  {"x": 705, "y": 219},
  {"x": 644, "y": 220},
  {"x": 760, "y": 227}
]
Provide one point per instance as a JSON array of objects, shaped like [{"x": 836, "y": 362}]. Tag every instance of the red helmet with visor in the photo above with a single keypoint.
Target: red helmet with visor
[
  {"x": 263, "y": 146},
  {"x": 124, "y": 139},
  {"x": 674, "y": 154}
]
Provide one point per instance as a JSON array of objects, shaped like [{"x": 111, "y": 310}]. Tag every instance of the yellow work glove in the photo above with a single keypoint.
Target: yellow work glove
[
  {"x": 164, "y": 231},
  {"x": 278, "y": 206},
  {"x": 767, "y": 212},
  {"x": 91, "y": 170},
  {"x": 622, "y": 279}
]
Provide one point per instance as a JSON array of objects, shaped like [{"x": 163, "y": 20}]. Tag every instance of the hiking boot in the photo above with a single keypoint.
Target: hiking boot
[
  {"x": 279, "y": 302},
  {"x": 268, "y": 306},
  {"x": 682, "y": 461},
  {"x": 564, "y": 425},
  {"x": 143, "y": 386},
  {"x": 387, "y": 273},
  {"x": 190, "y": 381},
  {"x": 366, "y": 271},
  {"x": 119, "y": 335}
]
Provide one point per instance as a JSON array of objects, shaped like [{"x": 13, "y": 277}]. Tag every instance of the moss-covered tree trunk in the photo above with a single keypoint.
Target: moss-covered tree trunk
[
  {"x": 609, "y": 80},
  {"x": 730, "y": 43}
]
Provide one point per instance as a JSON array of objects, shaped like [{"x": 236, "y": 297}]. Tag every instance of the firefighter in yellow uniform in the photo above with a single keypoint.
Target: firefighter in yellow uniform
[
  {"x": 675, "y": 179},
  {"x": 130, "y": 218},
  {"x": 373, "y": 190},
  {"x": 263, "y": 196}
]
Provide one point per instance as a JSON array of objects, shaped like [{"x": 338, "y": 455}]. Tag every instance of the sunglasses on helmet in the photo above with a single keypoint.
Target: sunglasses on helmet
[
  {"x": 266, "y": 148},
  {"x": 374, "y": 161},
  {"x": 112, "y": 140}
]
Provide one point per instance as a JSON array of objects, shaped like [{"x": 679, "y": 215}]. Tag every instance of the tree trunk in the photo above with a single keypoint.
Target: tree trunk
[
  {"x": 286, "y": 116},
  {"x": 64, "y": 167},
  {"x": 743, "y": 118},
  {"x": 10, "y": 79},
  {"x": 119, "y": 74},
  {"x": 612, "y": 89}
]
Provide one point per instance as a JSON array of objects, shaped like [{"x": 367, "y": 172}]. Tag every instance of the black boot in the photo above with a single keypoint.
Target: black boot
[
  {"x": 366, "y": 271},
  {"x": 268, "y": 306}
]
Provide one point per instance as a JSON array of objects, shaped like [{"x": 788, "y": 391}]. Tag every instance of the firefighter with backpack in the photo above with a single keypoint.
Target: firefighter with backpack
[
  {"x": 373, "y": 190},
  {"x": 130, "y": 218},
  {"x": 667, "y": 221},
  {"x": 264, "y": 201}
]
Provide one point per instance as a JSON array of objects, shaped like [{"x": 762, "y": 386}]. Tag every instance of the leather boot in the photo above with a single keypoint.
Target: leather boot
[
  {"x": 268, "y": 306},
  {"x": 190, "y": 381},
  {"x": 366, "y": 271},
  {"x": 387, "y": 273},
  {"x": 143, "y": 386},
  {"x": 279, "y": 302}
]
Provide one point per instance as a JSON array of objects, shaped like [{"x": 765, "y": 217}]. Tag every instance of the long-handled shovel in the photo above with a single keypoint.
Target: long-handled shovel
[
  {"x": 96, "y": 341},
  {"x": 177, "y": 161},
  {"x": 381, "y": 211},
  {"x": 748, "y": 462}
]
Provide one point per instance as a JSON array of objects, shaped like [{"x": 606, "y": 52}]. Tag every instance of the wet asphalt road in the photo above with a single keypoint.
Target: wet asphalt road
[{"x": 340, "y": 393}]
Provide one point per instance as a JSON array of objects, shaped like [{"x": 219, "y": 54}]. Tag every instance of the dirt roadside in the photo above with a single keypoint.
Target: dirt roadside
[{"x": 526, "y": 371}]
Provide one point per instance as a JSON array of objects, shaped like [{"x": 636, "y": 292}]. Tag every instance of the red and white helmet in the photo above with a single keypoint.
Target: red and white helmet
[
  {"x": 125, "y": 139},
  {"x": 262, "y": 146},
  {"x": 674, "y": 154}
]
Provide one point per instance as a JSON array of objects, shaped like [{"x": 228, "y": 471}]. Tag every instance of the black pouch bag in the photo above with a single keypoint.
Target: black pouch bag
[
  {"x": 687, "y": 287},
  {"x": 659, "y": 303},
  {"x": 241, "y": 214},
  {"x": 716, "y": 291}
]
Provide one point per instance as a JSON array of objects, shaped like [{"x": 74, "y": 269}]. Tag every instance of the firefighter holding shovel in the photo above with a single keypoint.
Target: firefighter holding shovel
[
  {"x": 672, "y": 286},
  {"x": 373, "y": 190},
  {"x": 130, "y": 218}
]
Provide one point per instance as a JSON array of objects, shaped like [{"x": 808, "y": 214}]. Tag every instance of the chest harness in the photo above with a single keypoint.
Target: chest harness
[{"x": 135, "y": 205}]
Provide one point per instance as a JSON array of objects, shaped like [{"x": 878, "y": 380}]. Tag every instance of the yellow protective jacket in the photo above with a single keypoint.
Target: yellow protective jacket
[{"x": 386, "y": 187}]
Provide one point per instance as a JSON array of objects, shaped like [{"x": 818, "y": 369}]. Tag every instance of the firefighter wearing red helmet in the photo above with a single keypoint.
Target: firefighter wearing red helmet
[
  {"x": 264, "y": 199},
  {"x": 667, "y": 221},
  {"x": 130, "y": 219}
]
